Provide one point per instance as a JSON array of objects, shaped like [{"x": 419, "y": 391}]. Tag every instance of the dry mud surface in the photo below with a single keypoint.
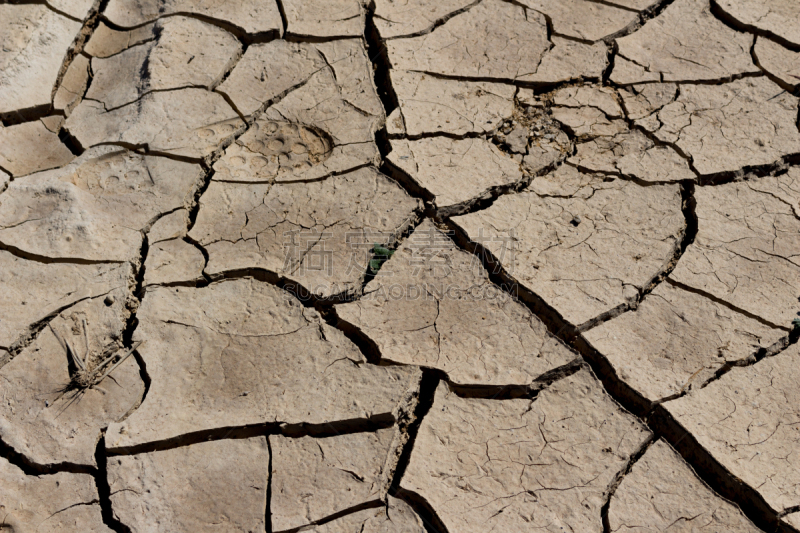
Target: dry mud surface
[{"x": 400, "y": 266}]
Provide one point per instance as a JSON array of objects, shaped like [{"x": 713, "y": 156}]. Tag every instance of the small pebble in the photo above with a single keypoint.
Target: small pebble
[
  {"x": 109, "y": 300},
  {"x": 575, "y": 220}
]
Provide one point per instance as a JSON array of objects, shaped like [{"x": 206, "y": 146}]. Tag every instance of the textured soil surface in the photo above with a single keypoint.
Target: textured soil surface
[{"x": 400, "y": 266}]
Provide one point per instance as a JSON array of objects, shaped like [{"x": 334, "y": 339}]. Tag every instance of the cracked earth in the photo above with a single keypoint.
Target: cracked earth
[{"x": 400, "y": 266}]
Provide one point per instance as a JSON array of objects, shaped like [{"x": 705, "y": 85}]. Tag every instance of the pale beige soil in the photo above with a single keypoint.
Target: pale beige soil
[{"x": 400, "y": 266}]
